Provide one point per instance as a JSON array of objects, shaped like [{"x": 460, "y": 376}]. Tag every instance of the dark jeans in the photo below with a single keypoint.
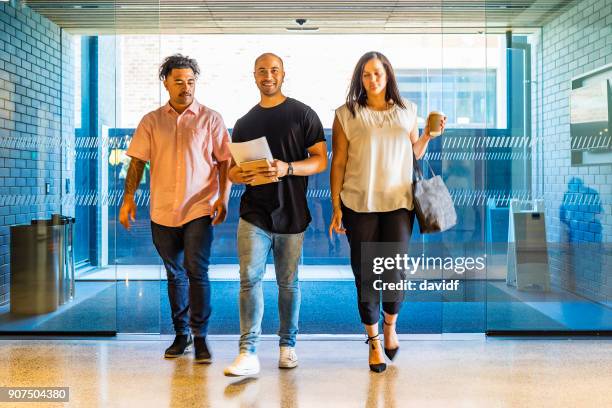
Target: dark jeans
[
  {"x": 392, "y": 226},
  {"x": 185, "y": 251}
]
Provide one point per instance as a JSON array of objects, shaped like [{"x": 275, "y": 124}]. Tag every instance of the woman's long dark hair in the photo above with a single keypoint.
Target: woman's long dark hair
[{"x": 357, "y": 94}]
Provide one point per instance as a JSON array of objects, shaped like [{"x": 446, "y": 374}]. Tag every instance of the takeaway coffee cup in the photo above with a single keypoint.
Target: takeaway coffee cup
[{"x": 435, "y": 118}]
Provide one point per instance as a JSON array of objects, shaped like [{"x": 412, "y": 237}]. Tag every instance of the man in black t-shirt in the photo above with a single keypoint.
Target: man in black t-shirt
[{"x": 274, "y": 216}]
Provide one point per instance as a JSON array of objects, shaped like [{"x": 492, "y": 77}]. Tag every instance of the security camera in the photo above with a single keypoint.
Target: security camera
[{"x": 300, "y": 21}]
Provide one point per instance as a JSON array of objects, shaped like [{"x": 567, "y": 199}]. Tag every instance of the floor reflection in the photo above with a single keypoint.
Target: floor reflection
[
  {"x": 189, "y": 384},
  {"x": 382, "y": 389},
  {"x": 244, "y": 391}
]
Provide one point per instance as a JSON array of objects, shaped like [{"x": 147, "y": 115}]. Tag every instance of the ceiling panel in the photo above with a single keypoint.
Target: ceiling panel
[{"x": 240, "y": 16}]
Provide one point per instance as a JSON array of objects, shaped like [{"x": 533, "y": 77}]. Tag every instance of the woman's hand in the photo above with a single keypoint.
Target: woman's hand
[
  {"x": 336, "y": 223},
  {"x": 426, "y": 128}
]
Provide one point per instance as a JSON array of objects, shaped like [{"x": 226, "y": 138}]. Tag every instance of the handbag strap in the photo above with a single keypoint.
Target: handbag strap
[{"x": 418, "y": 173}]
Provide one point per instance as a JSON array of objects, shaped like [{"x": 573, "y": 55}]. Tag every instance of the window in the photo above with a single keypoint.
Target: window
[{"x": 468, "y": 96}]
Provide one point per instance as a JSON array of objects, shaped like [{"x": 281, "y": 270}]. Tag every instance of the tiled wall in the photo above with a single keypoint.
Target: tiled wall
[
  {"x": 578, "y": 198},
  {"x": 36, "y": 122}
]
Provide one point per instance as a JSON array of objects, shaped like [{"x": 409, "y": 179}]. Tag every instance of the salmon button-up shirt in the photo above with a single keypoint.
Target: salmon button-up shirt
[{"x": 183, "y": 151}]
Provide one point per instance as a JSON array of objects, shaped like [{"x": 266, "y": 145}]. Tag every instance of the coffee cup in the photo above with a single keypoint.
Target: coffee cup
[{"x": 435, "y": 128}]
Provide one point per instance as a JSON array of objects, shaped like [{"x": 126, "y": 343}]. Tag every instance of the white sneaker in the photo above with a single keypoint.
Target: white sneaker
[
  {"x": 244, "y": 364},
  {"x": 287, "y": 358}
]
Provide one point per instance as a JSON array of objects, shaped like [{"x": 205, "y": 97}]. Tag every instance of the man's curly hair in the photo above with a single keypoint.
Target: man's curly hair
[{"x": 177, "y": 61}]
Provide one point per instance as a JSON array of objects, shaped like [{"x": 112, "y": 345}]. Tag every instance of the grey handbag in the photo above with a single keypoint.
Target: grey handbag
[{"x": 433, "y": 204}]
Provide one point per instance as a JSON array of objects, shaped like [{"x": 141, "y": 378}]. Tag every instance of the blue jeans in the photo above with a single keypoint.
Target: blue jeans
[
  {"x": 254, "y": 245},
  {"x": 185, "y": 251}
]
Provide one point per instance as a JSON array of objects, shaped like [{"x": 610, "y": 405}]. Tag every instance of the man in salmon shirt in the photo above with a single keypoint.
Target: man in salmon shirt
[{"x": 186, "y": 144}]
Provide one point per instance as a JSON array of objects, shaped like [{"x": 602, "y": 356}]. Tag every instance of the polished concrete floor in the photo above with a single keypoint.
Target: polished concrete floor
[{"x": 429, "y": 372}]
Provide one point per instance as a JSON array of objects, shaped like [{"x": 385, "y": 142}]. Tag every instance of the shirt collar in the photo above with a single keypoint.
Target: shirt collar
[{"x": 193, "y": 108}]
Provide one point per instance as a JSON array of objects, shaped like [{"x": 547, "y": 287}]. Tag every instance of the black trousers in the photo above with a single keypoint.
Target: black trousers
[{"x": 392, "y": 226}]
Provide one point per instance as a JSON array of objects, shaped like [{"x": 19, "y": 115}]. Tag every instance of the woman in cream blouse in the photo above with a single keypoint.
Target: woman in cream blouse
[{"x": 374, "y": 136}]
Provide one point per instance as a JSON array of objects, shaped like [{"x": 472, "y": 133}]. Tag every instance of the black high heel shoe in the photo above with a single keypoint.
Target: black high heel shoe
[
  {"x": 377, "y": 368},
  {"x": 390, "y": 353}
]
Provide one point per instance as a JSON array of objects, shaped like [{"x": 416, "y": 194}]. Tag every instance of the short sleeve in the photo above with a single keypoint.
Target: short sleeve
[
  {"x": 140, "y": 146},
  {"x": 341, "y": 114},
  {"x": 220, "y": 139},
  {"x": 408, "y": 115},
  {"x": 236, "y": 132},
  {"x": 313, "y": 128}
]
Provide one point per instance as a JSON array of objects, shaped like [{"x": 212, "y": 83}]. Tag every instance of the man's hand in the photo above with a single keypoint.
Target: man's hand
[
  {"x": 238, "y": 176},
  {"x": 277, "y": 168},
  {"x": 128, "y": 208},
  {"x": 282, "y": 168},
  {"x": 127, "y": 212},
  {"x": 219, "y": 211}
]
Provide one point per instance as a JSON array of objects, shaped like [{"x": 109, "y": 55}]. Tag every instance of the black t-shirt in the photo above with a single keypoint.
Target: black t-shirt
[{"x": 290, "y": 129}]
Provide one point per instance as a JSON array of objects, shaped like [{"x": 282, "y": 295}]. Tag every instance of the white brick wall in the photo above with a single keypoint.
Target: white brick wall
[{"x": 576, "y": 42}]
